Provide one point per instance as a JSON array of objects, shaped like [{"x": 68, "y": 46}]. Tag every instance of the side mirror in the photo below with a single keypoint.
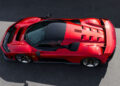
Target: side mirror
[{"x": 72, "y": 47}]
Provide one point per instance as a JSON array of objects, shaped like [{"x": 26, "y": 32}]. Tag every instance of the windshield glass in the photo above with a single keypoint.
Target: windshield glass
[
  {"x": 36, "y": 36},
  {"x": 45, "y": 31}
]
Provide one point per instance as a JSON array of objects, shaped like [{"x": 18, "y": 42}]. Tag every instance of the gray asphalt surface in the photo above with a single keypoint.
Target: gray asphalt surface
[
  {"x": 16, "y": 74},
  {"x": 17, "y": 9}
]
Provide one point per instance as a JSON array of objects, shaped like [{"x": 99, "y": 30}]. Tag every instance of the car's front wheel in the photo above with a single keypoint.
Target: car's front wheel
[
  {"x": 91, "y": 62},
  {"x": 23, "y": 58}
]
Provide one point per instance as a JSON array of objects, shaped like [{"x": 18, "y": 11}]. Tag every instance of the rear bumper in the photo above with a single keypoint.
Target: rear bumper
[{"x": 110, "y": 38}]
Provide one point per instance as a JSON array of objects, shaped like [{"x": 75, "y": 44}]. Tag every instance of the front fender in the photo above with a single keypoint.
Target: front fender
[{"x": 19, "y": 47}]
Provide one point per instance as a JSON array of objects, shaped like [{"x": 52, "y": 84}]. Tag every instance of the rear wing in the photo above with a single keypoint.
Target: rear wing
[{"x": 110, "y": 36}]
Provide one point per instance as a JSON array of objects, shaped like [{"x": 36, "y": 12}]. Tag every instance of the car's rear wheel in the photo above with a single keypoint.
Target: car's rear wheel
[
  {"x": 91, "y": 62},
  {"x": 23, "y": 58}
]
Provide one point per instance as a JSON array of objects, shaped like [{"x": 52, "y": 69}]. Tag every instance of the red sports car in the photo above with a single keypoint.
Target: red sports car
[{"x": 89, "y": 41}]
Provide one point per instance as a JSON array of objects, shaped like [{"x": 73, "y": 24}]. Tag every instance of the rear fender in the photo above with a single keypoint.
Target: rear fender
[
  {"x": 90, "y": 50},
  {"x": 91, "y": 22}
]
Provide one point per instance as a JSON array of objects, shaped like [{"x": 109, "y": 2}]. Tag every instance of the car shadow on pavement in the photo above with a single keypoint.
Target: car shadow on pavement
[{"x": 51, "y": 74}]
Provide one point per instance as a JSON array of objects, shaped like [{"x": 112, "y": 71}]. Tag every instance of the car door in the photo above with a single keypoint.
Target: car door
[{"x": 51, "y": 49}]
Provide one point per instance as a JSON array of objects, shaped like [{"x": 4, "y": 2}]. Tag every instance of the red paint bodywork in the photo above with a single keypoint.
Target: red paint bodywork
[{"x": 97, "y": 39}]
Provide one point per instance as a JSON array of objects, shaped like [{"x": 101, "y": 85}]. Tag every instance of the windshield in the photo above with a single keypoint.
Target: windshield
[
  {"x": 36, "y": 34},
  {"x": 45, "y": 31}
]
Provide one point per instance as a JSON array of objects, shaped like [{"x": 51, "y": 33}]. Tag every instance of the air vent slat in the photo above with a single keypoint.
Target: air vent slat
[
  {"x": 90, "y": 29},
  {"x": 90, "y": 37},
  {"x": 19, "y": 34},
  {"x": 77, "y": 30},
  {"x": 98, "y": 38},
  {"x": 83, "y": 37}
]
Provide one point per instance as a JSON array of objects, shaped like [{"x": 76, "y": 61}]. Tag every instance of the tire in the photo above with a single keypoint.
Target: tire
[
  {"x": 110, "y": 57},
  {"x": 23, "y": 58},
  {"x": 91, "y": 62}
]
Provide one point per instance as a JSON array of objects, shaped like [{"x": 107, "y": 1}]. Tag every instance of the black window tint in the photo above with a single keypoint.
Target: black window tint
[
  {"x": 48, "y": 45},
  {"x": 36, "y": 35},
  {"x": 45, "y": 31},
  {"x": 55, "y": 31}
]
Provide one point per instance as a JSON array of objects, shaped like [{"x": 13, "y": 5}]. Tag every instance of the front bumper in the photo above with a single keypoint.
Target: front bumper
[{"x": 4, "y": 56}]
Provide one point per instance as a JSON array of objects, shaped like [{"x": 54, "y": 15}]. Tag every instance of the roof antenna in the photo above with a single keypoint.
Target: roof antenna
[{"x": 48, "y": 15}]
